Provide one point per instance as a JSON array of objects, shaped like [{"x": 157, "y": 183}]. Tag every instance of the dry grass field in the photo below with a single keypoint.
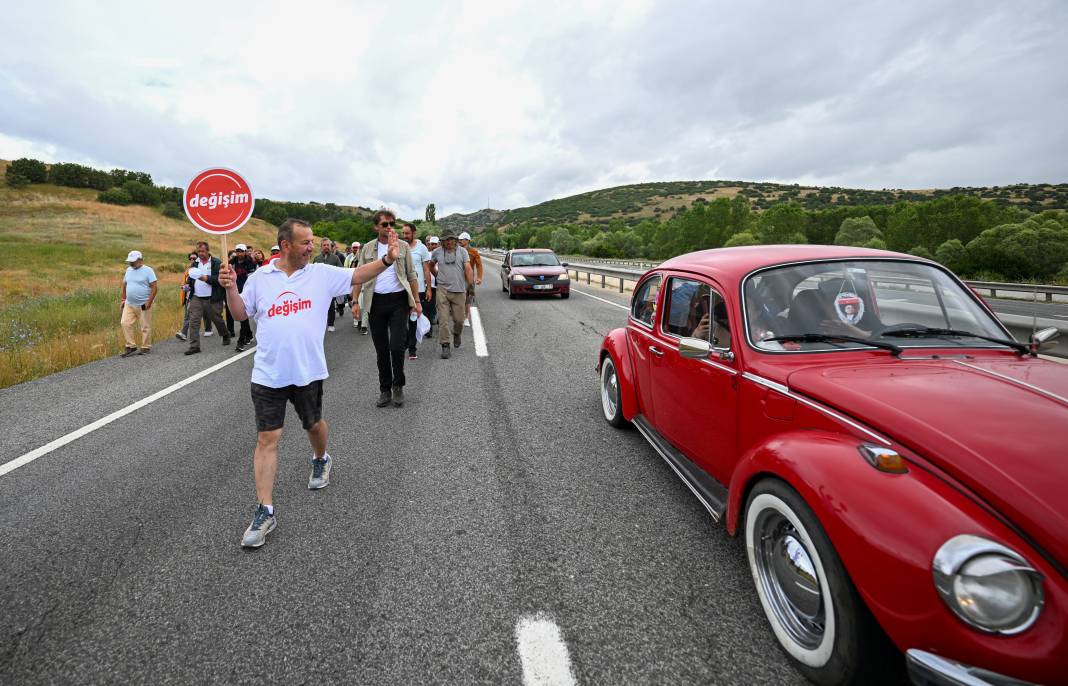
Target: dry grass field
[{"x": 61, "y": 267}]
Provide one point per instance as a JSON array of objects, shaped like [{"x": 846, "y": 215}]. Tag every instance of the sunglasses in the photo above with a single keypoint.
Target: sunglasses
[{"x": 389, "y": 224}]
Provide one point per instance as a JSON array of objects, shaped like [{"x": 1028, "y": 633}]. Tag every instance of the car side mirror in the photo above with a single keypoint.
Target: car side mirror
[
  {"x": 1044, "y": 339},
  {"x": 695, "y": 348},
  {"x": 563, "y": 264}
]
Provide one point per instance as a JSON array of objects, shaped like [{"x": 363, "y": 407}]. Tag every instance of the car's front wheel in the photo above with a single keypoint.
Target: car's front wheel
[
  {"x": 610, "y": 404},
  {"x": 814, "y": 609}
]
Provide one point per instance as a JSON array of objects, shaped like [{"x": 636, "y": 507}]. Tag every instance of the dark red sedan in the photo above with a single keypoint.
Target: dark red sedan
[
  {"x": 893, "y": 459},
  {"x": 534, "y": 271}
]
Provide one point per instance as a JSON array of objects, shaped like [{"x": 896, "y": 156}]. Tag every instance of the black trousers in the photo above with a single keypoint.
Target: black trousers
[{"x": 389, "y": 331}]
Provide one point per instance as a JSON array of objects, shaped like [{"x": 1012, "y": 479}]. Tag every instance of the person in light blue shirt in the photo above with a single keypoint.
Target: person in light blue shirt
[
  {"x": 138, "y": 294},
  {"x": 421, "y": 264}
]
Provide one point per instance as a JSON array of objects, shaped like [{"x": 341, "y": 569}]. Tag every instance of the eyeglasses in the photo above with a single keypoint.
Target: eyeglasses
[
  {"x": 389, "y": 224},
  {"x": 448, "y": 254}
]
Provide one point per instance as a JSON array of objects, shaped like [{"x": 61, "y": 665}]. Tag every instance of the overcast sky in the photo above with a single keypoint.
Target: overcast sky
[{"x": 512, "y": 103}]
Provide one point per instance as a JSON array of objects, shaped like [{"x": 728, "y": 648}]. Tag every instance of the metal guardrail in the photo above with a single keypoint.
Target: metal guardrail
[{"x": 605, "y": 271}]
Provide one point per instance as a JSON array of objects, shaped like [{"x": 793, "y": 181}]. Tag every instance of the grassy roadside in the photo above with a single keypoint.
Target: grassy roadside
[{"x": 61, "y": 267}]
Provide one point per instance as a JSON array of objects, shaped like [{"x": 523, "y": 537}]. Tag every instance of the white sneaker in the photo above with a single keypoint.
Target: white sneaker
[
  {"x": 209, "y": 333},
  {"x": 467, "y": 322},
  {"x": 355, "y": 323},
  {"x": 329, "y": 328}
]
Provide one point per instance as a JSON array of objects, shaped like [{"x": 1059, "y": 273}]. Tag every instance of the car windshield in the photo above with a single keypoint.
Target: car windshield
[
  {"x": 534, "y": 259},
  {"x": 887, "y": 303}
]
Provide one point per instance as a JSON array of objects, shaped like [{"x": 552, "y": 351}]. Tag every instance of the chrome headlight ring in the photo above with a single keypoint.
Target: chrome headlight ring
[{"x": 989, "y": 586}]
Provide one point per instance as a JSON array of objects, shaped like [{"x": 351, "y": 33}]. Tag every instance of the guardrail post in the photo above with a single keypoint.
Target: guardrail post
[
  {"x": 993, "y": 292},
  {"x": 621, "y": 284},
  {"x": 602, "y": 280},
  {"x": 587, "y": 278},
  {"x": 1049, "y": 297}
]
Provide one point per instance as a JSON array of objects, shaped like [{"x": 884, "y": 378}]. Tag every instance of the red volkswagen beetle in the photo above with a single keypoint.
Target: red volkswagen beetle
[{"x": 896, "y": 463}]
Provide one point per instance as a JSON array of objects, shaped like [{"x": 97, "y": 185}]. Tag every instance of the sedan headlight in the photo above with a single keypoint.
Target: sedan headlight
[
  {"x": 518, "y": 277},
  {"x": 562, "y": 277},
  {"x": 989, "y": 586}
]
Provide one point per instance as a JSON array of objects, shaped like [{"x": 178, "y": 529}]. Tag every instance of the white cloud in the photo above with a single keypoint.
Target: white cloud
[{"x": 518, "y": 102}]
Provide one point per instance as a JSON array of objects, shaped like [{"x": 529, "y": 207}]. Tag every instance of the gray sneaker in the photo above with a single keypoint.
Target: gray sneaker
[
  {"x": 320, "y": 473},
  {"x": 256, "y": 533}
]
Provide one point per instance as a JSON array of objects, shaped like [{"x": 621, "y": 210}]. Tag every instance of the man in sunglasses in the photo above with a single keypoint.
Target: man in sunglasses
[
  {"x": 393, "y": 301},
  {"x": 451, "y": 266}
]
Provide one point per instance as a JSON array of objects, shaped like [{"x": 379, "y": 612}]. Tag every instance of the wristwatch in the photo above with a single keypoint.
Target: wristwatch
[{"x": 388, "y": 264}]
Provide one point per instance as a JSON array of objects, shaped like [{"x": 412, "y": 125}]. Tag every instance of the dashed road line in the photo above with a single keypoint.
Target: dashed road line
[
  {"x": 118, "y": 414},
  {"x": 480, "y": 336},
  {"x": 590, "y": 295},
  {"x": 542, "y": 652}
]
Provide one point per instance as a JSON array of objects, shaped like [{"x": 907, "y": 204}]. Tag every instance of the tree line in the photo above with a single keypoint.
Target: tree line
[{"x": 976, "y": 238}]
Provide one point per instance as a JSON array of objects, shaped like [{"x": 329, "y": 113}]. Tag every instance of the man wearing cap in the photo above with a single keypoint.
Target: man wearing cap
[
  {"x": 289, "y": 299},
  {"x": 476, "y": 269},
  {"x": 452, "y": 267},
  {"x": 138, "y": 292},
  {"x": 275, "y": 254},
  {"x": 243, "y": 266},
  {"x": 208, "y": 297}
]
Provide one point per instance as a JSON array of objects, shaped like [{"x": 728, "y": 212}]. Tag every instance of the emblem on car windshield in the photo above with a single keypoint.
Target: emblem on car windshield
[{"x": 849, "y": 307}]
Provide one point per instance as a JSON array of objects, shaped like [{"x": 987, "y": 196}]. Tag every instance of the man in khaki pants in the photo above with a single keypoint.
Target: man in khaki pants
[
  {"x": 451, "y": 266},
  {"x": 138, "y": 293}
]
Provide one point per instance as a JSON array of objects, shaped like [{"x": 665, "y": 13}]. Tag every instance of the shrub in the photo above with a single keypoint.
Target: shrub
[
  {"x": 141, "y": 193},
  {"x": 115, "y": 196},
  {"x": 920, "y": 251},
  {"x": 17, "y": 181},
  {"x": 953, "y": 255},
  {"x": 875, "y": 244},
  {"x": 34, "y": 171},
  {"x": 743, "y": 238},
  {"x": 173, "y": 210},
  {"x": 857, "y": 231}
]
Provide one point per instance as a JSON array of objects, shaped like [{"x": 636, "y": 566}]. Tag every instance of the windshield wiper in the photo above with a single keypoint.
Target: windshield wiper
[
  {"x": 830, "y": 338},
  {"x": 926, "y": 331}
]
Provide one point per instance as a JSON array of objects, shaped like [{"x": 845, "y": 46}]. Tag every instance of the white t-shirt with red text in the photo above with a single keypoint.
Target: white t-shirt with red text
[{"x": 290, "y": 314}]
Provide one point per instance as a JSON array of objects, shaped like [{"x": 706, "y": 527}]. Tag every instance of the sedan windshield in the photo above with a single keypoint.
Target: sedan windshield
[
  {"x": 854, "y": 304},
  {"x": 534, "y": 259}
]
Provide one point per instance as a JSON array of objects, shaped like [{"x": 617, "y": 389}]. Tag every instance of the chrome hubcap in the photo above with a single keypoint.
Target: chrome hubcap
[
  {"x": 790, "y": 579},
  {"x": 609, "y": 389}
]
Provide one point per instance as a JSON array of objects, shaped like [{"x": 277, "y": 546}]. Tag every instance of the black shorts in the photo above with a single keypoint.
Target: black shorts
[{"x": 270, "y": 404}]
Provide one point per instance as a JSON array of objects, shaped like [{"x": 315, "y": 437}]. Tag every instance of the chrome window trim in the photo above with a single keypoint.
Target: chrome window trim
[
  {"x": 953, "y": 277},
  {"x": 781, "y": 388}
]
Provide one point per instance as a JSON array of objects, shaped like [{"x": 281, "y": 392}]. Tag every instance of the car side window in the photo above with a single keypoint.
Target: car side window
[
  {"x": 643, "y": 305},
  {"x": 695, "y": 310}
]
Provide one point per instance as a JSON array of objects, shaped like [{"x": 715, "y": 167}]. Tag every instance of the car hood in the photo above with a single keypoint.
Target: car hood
[
  {"x": 998, "y": 425},
  {"x": 538, "y": 271}
]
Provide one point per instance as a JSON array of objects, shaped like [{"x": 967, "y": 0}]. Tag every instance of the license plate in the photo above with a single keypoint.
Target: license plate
[{"x": 543, "y": 287}]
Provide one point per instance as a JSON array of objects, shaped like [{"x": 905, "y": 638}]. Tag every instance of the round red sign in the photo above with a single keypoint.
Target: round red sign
[{"x": 218, "y": 201}]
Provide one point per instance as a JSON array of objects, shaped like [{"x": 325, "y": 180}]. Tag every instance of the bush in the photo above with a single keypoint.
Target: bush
[
  {"x": 1032, "y": 249},
  {"x": 17, "y": 181},
  {"x": 952, "y": 255},
  {"x": 35, "y": 171},
  {"x": 920, "y": 251},
  {"x": 141, "y": 193},
  {"x": 115, "y": 196},
  {"x": 173, "y": 210},
  {"x": 875, "y": 244},
  {"x": 739, "y": 239},
  {"x": 858, "y": 231}
]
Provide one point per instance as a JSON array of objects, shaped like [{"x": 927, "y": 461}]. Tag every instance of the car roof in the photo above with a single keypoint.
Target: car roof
[
  {"x": 732, "y": 264},
  {"x": 531, "y": 250}
]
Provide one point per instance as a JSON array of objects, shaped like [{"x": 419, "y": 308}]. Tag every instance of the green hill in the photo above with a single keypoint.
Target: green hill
[{"x": 664, "y": 200}]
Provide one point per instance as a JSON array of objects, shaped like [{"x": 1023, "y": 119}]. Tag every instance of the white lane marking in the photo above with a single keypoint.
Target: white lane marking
[
  {"x": 590, "y": 295},
  {"x": 542, "y": 652},
  {"x": 118, "y": 414},
  {"x": 480, "y": 336}
]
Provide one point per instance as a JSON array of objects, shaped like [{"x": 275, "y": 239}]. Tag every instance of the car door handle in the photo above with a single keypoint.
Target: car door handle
[{"x": 656, "y": 351}]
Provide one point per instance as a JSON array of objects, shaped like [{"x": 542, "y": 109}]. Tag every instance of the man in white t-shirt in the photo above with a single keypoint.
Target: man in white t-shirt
[{"x": 290, "y": 298}]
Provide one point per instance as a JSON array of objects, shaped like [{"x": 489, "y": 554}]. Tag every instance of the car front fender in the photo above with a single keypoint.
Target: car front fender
[
  {"x": 886, "y": 528},
  {"x": 615, "y": 344}
]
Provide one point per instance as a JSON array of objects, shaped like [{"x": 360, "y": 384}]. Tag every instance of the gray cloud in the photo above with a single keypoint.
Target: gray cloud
[{"x": 416, "y": 104}]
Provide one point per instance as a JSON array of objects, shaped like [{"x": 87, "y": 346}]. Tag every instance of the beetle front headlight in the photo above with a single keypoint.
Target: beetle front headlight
[{"x": 989, "y": 586}]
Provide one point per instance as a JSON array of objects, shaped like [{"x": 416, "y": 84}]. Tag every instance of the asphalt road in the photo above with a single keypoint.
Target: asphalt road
[{"x": 496, "y": 495}]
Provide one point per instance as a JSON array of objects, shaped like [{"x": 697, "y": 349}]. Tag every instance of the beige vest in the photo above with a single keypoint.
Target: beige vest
[{"x": 403, "y": 267}]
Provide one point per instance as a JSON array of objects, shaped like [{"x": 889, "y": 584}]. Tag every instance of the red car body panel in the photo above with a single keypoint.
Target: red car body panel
[{"x": 984, "y": 439}]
